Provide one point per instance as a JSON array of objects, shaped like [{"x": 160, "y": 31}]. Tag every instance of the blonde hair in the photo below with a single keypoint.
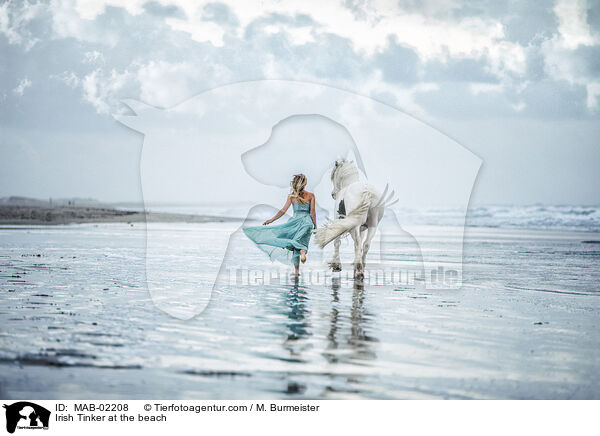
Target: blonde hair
[{"x": 298, "y": 184}]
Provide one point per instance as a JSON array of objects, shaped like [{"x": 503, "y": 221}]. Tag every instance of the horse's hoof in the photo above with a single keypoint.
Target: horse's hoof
[{"x": 335, "y": 266}]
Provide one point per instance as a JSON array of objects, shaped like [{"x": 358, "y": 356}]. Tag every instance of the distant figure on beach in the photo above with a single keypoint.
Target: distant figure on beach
[{"x": 289, "y": 240}]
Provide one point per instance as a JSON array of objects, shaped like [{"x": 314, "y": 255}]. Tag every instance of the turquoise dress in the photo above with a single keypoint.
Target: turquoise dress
[{"x": 283, "y": 242}]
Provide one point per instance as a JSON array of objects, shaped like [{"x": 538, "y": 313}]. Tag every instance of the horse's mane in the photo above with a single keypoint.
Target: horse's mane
[{"x": 344, "y": 172}]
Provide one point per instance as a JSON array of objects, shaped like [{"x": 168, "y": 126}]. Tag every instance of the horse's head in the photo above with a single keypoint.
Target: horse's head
[
  {"x": 334, "y": 171},
  {"x": 343, "y": 173}
]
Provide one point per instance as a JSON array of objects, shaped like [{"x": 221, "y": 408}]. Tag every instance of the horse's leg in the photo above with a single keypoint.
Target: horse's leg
[
  {"x": 358, "y": 265},
  {"x": 367, "y": 243},
  {"x": 363, "y": 232},
  {"x": 335, "y": 263}
]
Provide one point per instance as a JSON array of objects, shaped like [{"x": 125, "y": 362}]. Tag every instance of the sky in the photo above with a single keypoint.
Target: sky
[{"x": 515, "y": 82}]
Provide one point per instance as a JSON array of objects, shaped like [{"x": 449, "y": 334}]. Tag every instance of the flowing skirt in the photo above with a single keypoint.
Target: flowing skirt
[{"x": 283, "y": 242}]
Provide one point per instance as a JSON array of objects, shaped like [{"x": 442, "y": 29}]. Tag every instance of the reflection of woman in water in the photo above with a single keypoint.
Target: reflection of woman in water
[{"x": 290, "y": 239}]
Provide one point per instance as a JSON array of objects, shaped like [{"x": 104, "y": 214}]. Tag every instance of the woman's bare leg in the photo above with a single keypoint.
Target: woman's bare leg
[{"x": 303, "y": 256}]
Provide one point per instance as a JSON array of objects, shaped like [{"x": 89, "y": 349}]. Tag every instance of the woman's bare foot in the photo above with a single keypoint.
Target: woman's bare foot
[{"x": 302, "y": 256}]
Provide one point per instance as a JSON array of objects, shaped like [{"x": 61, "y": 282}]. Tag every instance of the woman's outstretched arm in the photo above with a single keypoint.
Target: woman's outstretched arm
[
  {"x": 313, "y": 212},
  {"x": 280, "y": 213}
]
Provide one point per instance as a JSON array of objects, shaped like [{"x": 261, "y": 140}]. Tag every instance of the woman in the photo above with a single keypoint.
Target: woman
[{"x": 290, "y": 239}]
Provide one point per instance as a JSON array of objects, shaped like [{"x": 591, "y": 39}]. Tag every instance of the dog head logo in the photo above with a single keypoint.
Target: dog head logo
[
  {"x": 248, "y": 138},
  {"x": 26, "y": 415}
]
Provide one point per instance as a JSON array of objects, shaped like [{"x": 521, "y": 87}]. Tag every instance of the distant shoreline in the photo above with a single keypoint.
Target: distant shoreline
[{"x": 58, "y": 215}]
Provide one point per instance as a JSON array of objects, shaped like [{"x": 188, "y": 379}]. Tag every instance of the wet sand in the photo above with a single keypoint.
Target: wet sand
[{"x": 76, "y": 323}]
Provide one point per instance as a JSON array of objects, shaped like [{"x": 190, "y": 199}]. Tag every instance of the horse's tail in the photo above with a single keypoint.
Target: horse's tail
[{"x": 338, "y": 227}]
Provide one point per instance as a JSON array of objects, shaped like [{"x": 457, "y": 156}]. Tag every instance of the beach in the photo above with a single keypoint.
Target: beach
[
  {"x": 78, "y": 322},
  {"x": 26, "y": 214}
]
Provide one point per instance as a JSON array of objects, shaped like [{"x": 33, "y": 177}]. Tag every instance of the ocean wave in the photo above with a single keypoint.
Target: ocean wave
[{"x": 583, "y": 218}]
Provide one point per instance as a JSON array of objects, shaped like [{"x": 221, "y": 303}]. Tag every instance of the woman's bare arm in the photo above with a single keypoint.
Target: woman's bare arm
[
  {"x": 313, "y": 212},
  {"x": 280, "y": 213}
]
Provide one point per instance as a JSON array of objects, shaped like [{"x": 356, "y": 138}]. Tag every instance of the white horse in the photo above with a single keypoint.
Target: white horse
[{"x": 359, "y": 207}]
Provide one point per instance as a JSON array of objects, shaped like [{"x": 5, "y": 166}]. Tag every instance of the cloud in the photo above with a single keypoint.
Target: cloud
[
  {"x": 566, "y": 54},
  {"x": 156, "y": 8},
  {"x": 430, "y": 35},
  {"x": 72, "y": 20},
  {"x": 15, "y": 18},
  {"x": 398, "y": 63},
  {"x": 102, "y": 88},
  {"x": 460, "y": 70},
  {"x": 67, "y": 77},
  {"x": 220, "y": 13},
  {"x": 165, "y": 84},
  {"x": 23, "y": 84},
  {"x": 573, "y": 26},
  {"x": 89, "y": 10},
  {"x": 547, "y": 99},
  {"x": 93, "y": 57},
  {"x": 403, "y": 53},
  {"x": 555, "y": 99},
  {"x": 349, "y": 41},
  {"x": 201, "y": 30}
]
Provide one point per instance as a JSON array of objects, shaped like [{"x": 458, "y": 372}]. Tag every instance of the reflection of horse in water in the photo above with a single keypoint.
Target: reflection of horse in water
[
  {"x": 348, "y": 340},
  {"x": 358, "y": 340},
  {"x": 359, "y": 207}
]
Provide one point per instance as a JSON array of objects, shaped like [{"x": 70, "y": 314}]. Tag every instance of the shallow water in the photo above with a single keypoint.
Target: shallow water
[{"x": 77, "y": 322}]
